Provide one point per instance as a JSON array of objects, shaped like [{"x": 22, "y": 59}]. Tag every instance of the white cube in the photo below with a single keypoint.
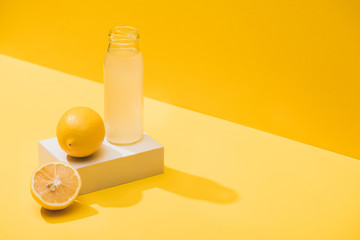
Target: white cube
[{"x": 111, "y": 164}]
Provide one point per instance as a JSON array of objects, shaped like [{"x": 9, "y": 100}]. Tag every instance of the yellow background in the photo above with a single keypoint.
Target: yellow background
[
  {"x": 285, "y": 67},
  {"x": 222, "y": 181}
]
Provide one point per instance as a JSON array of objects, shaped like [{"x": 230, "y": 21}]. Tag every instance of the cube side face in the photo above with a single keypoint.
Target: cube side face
[
  {"x": 107, "y": 170},
  {"x": 122, "y": 170},
  {"x": 45, "y": 155}
]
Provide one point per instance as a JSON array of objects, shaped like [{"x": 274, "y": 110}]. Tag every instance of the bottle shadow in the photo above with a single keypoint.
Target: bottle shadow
[{"x": 126, "y": 195}]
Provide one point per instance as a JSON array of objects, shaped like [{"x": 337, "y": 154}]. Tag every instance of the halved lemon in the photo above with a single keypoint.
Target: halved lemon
[{"x": 55, "y": 185}]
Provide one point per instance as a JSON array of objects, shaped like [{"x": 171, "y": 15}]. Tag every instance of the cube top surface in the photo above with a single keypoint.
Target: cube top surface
[{"x": 106, "y": 152}]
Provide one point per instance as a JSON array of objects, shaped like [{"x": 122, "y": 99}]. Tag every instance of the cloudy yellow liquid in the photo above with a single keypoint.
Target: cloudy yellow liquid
[{"x": 123, "y": 84}]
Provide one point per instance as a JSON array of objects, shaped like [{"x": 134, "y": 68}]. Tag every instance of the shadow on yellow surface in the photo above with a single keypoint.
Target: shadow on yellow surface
[
  {"x": 172, "y": 180},
  {"x": 126, "y": 195},
  {"x": 74, "y": 212}
]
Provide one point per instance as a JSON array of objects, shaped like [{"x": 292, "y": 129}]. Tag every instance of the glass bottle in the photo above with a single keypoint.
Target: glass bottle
[{"x": 123, "y": 87}]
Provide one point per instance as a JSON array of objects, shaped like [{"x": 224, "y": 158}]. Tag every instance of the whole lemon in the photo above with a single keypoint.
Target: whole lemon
[{"x": 80, "y": 131}]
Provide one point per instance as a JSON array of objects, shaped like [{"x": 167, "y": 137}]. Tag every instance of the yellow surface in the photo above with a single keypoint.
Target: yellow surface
[
  {"x": 285, "y": 67},
  {"x": 222, "y": 180}
]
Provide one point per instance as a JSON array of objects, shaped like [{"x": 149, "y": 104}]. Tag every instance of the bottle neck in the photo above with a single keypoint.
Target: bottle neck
[{"x": 123, "y": 38}]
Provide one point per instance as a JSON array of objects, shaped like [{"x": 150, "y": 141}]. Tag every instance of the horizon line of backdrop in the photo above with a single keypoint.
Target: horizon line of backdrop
[{"x": 290, "y": 68}]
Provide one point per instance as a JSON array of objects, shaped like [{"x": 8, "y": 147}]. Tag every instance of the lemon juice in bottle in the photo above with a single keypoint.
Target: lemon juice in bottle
[{"x": 123, "y": 87}]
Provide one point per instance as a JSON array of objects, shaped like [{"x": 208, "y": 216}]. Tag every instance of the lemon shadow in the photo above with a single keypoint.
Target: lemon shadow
[
  {"x": 129, "y": 194},
  {"x": 74, "y": 212}
]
